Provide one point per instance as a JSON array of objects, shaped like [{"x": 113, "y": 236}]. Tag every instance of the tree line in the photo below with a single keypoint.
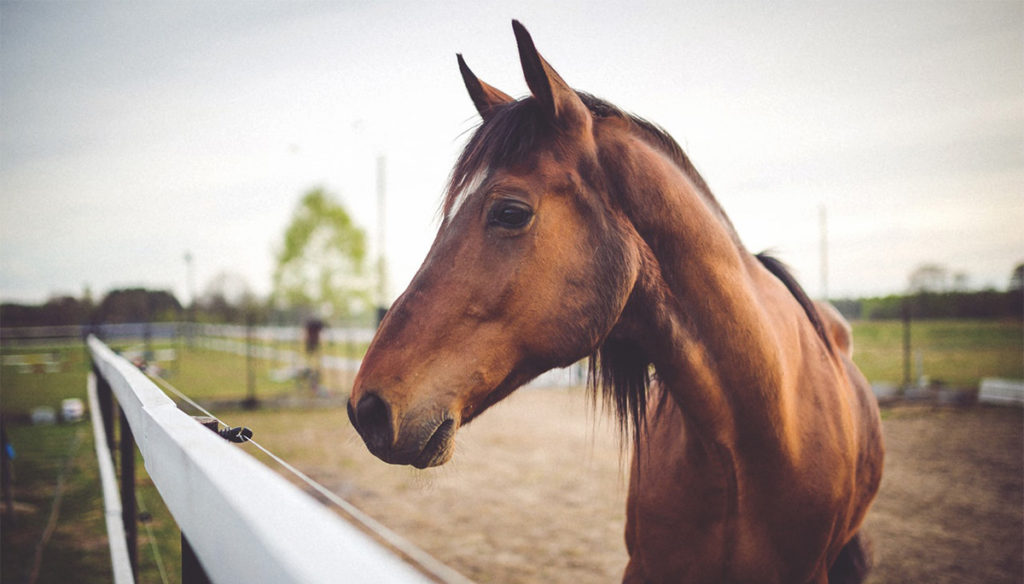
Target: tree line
[
  {"x": 119, "y": 306},
  {"x": 141, "y": 305},
  {"x": 983, "y": 304}
]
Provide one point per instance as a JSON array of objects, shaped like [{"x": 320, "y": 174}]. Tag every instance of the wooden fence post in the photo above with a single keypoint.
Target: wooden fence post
[
  {"x": 105, "y": 397},
  {"x": 192, "y": 571},
  {"x": 128, "y": 510}
]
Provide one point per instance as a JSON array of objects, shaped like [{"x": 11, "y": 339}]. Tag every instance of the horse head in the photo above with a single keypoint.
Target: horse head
[{"x": 530, "y": 270}]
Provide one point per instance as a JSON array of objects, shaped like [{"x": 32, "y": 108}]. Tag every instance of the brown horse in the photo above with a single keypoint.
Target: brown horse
[{"x": 572, "y": 229}]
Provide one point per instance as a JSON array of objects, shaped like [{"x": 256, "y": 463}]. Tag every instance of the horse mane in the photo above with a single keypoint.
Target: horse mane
[
  {"x": 780, "y": 271},
  {"x": 508, "y": 137}
]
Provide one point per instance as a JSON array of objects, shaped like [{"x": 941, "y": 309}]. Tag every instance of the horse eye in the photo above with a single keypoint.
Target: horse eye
[{"x": 510, "y": 215}]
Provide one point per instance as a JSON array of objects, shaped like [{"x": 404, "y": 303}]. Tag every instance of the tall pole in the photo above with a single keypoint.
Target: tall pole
[
  {"x": 191, "y": 313},
  {"x": 823, "y": 250},
  {"x": 382, "y": 270},
  {"x": 906, "y": 314}
]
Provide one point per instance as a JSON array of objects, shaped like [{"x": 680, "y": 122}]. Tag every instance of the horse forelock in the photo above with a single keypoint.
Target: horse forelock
[{"x": 506, "y": 138}]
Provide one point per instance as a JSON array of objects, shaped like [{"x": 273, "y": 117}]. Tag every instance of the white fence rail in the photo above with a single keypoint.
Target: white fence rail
[{"x": 245, "y": 522}]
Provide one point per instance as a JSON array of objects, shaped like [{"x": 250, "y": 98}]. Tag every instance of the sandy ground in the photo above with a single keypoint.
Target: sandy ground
[{"x": 536, "y": 491}]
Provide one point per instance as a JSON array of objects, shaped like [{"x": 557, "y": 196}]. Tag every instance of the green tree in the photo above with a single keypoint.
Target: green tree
[
  {"x": 321, "y": 265},
  {"x": 137, "y": 305}
]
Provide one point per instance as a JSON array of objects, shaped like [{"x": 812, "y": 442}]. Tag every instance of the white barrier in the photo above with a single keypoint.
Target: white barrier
[
  {"x": 245, "y": 522},
  {"x": 1001, "y": 391}
]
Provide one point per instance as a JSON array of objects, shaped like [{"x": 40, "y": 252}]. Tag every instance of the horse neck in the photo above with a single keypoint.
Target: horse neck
[{"x": 699, "y": 310}]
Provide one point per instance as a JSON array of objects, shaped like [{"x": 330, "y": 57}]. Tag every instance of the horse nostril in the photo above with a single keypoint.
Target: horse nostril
[{"x": 373, "y": 421}]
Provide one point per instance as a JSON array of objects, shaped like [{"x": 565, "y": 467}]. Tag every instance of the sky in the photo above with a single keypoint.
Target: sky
[{"x": 134, "y": 133}]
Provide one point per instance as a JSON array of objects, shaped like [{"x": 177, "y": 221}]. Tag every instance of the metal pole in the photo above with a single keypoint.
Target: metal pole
[
  {"x": 250, "y": 364},
  {"x": 906, "y": 342},
  {"x": 190, "y": 332},
  {"x": 382, "y": 270},
  {"x": 823, "y": 217},
  {"x": 128, "y": 512}
]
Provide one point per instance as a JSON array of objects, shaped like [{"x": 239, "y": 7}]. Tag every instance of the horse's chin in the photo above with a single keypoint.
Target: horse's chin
[{"x": 439, "y": 447}]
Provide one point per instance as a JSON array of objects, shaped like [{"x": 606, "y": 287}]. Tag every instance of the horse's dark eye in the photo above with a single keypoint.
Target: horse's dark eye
[{"x": 510, "y": 215}]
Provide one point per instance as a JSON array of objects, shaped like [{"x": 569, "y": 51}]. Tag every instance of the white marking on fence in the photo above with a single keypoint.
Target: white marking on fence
[
  {"x": 245, "y": 522},
  {"x": 119, "y": 560}
]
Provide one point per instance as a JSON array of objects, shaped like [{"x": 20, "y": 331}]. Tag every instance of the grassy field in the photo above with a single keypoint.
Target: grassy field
[
  {"x": 960, "y": 353},
  {"x": 953, "y": 352},
  {"x": 45, "y": 455},
  {"x": 62, "y": 459}
]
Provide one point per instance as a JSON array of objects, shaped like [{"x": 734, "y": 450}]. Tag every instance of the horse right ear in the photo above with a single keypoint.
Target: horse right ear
[
  {"x": 559, "y": 101},
  {"x": 486, "y": 98}
]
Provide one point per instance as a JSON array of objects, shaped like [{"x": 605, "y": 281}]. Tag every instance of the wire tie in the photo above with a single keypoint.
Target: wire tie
[{"x": 237, "y": 434}]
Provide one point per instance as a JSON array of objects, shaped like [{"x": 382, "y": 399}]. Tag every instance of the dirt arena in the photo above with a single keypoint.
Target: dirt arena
[{"x": 536, "y": 491}]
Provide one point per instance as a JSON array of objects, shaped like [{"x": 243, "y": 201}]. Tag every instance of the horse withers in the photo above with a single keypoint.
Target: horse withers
[{"x": 571, "y": 229}]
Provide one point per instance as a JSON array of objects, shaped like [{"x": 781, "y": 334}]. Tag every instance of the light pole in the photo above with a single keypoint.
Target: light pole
[{"x": 191, "y": 313}]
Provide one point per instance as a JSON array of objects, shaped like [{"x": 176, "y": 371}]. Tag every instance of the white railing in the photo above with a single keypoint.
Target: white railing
[{"x": 244, "y": 522}]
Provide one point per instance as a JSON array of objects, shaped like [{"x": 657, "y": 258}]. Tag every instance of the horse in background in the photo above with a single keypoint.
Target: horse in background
[{"x": 573, "y": 229}]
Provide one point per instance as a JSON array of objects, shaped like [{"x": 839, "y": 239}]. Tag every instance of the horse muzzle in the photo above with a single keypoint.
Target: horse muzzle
[{"x": 421, "y": 441}]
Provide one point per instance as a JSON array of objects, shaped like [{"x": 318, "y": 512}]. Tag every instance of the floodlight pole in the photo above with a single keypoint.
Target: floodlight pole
[
  {"x": 382, "y": 270},
  {"x": 823, "y": 222}
]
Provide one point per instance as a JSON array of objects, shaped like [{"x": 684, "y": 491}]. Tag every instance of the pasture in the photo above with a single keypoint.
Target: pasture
[
  {"x": 536, "y": 489},
  {"x": 955, "y": 353}
]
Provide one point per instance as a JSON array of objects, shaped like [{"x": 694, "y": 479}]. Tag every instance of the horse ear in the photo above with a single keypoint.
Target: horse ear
[
  {"x": 485, "y": 98},
  {"x": 559, "y": 101}
]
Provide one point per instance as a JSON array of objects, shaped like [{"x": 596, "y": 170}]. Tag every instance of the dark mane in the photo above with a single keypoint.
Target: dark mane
[{"x": 780, "y": 271}]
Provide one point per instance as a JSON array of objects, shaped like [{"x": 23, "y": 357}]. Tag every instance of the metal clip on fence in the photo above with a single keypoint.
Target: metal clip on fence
[{"x": 235, "y": 434}]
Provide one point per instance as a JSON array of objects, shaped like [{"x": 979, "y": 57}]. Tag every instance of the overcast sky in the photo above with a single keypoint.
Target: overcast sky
[{"x": 133, "y": 132}]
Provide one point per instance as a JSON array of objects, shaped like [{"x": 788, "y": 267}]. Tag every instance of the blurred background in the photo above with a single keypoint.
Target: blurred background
[{"x": 230, "y": 194}]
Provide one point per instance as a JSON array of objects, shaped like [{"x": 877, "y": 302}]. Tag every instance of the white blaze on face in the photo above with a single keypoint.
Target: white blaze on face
[{"x": 467, "y": 191}]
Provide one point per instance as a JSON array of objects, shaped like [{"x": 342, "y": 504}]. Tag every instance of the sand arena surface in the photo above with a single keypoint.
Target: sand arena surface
[{"x": 536, "y": 491}]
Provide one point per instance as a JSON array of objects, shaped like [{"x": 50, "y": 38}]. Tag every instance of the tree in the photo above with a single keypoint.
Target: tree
[
  {"x": 60, "y": 310},
  {"x": 228, "y": 298},
  {"x": 929, "y": 278},
  {"x": 137, "y": 305},
  {"x": 321, "y": 264},
  {"x": 1017, "y": 278}
]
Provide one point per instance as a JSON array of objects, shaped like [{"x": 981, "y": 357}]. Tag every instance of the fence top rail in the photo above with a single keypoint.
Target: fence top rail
[{"x": 245, "y": 522}]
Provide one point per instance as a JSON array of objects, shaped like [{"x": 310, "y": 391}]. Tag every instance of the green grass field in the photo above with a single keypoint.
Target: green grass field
[
  {"x": 77, "y": 550},
  {"x": 958, "y": 352}
]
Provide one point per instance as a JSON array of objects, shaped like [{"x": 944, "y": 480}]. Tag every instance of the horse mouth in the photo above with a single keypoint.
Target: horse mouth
[{"x": 438, "y": 449}]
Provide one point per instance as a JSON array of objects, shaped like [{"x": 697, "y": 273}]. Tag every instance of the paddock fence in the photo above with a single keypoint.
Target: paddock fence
[
  {"x": 278, "y": 344},
  {"x": 240, "y": 521}
]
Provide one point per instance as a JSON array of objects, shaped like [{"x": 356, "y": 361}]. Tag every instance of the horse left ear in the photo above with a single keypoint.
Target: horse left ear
[
  {"x": 487, "y": 99},
  {"x": 559, "y": 101}
]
